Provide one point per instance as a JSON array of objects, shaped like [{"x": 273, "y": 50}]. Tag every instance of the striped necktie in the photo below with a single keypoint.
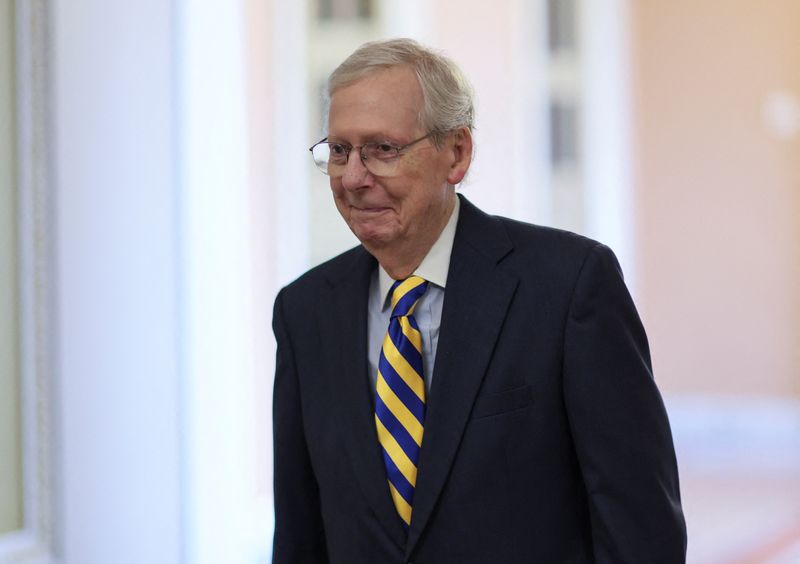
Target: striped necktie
[{"x": 400, "y": 399}]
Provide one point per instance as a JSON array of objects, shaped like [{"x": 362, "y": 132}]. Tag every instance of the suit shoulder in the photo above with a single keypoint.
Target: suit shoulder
[
  {"x": 555, "y": 257},
  {"x": 527, "y": 250},
  {"x": 549, "y": 244},
  {"x": 554, "y": 262}
]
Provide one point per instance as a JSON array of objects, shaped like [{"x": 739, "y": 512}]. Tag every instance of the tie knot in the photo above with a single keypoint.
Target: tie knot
[{"x": 406, "y": 293}]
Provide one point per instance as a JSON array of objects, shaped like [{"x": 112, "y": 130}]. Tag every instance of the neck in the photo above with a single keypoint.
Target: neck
[{"x": 401, "y": 259}]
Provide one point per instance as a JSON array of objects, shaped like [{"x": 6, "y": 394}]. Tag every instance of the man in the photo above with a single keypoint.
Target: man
[{"x": 460, "y": 388}]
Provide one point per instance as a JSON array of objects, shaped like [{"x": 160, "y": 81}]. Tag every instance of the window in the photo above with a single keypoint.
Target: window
[
  {"x": 565, "y": 103},
  {"x": 345, "y": 9},
  {"x": 561, "y": 26},
  {"x": 563, "y": 133}
]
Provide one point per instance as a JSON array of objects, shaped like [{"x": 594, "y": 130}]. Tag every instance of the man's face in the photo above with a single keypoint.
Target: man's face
[{"x": 414, "y": 203}]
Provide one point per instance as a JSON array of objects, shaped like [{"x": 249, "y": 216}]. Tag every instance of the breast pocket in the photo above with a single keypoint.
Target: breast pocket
[{"x": 499, "y": 403}]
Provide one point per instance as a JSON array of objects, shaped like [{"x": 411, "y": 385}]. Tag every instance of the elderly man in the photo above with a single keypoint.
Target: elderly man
[{"x": 459, "y": 388}]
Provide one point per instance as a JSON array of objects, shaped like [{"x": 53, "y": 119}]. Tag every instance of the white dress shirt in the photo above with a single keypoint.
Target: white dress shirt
[{"x": 428, "y": 312}]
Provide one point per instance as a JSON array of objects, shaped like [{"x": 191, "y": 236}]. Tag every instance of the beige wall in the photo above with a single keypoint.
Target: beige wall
[
  {"x": 718, "y": 194},
  {"x": 10, "y": 463}
]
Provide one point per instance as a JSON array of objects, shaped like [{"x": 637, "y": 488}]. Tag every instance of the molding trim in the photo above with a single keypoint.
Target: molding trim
[{"x": 35, "y": 542}]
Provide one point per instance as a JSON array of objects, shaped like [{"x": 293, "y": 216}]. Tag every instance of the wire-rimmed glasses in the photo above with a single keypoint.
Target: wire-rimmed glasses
[{"x": 379, "y": 158}]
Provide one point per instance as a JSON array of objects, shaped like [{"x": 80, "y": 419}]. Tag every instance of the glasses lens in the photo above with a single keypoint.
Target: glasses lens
[
  {"x": 379, "y": 159},
  {"x": 321, "y": 153}
]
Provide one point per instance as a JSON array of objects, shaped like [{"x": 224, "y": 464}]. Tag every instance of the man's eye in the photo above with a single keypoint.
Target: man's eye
[
  {"x": 338, "y": 149},
  {"x": 383, "y": 151}
]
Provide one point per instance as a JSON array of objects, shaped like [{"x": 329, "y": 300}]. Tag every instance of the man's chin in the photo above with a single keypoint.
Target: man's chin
[{"x": 373, "y": 237}]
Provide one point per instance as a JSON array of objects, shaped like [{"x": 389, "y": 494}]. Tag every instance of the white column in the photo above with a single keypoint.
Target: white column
[
  {"x": 526, "y": 144},
  {"x": 217, "y": 300},
  {"x": 607, "y": 130},
  {"x": 117, "y": 390},
  {"x": 411, "y": 18}
]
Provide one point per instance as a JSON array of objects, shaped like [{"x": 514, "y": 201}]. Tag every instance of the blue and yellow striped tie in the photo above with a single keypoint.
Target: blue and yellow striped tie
[{"x": 400, "y": 401}]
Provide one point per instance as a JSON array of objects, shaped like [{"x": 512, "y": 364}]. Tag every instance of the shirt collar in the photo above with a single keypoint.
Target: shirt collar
[{"x": 436, "y": 263}]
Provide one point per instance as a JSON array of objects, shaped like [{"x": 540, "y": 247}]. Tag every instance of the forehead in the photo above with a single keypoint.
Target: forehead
[{"x": 384, "y": 102}]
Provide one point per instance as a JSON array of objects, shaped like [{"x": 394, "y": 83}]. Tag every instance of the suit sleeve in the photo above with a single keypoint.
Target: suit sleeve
[
  {"x": 299, "y": 534},
  {"x": 619, "y": 424}
]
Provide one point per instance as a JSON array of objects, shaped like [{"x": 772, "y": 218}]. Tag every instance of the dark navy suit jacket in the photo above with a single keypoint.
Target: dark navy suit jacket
[{"x": 546, "y": 440}]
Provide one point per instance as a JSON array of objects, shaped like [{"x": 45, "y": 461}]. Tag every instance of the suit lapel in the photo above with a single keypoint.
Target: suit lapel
[
  {"x": 477, "y": 298},
  {"x": 348, "y": 364}
]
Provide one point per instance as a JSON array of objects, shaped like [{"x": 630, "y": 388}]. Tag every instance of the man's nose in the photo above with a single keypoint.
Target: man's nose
[{"x": 355, "y": 174}]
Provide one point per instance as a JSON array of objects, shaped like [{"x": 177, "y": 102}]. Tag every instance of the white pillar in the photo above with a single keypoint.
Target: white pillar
[
  {"x": 607, "y": 130},
  {"x": 117, "y": 391},
  {"x": 217, "y": 300}
]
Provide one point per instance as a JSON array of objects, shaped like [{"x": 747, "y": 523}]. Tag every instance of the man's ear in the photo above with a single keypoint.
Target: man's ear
[{"x": 461, "y": 146}]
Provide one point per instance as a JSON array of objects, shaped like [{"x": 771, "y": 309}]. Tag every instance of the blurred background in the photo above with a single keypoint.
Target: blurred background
[{"x": 156, "y": 191}]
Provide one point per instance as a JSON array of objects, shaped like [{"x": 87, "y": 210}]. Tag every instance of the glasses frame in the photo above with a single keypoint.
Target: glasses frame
[{"x": 361, "y": 153}]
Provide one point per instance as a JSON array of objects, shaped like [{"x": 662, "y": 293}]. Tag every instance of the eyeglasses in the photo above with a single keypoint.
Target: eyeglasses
[{"x": 380, "y": 159}]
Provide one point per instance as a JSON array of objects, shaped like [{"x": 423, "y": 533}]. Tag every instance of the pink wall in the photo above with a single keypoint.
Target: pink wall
[{"x": 718, "y": 194}]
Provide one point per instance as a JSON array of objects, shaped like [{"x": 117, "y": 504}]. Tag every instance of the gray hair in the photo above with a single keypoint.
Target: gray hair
[{"x": 446, "y": 92}]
